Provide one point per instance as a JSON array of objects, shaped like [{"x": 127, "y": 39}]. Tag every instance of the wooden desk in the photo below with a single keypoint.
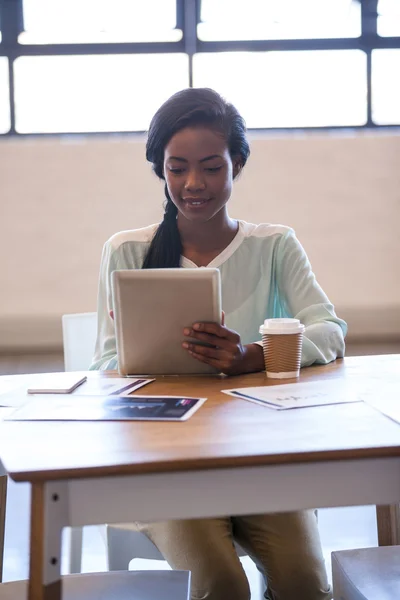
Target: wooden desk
[{"x": 232, "y": 457}]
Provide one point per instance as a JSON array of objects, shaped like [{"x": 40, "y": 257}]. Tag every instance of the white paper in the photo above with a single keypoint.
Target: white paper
[
  {"x": 300, "y": 395},
  {"x": 12, "y": 394},
  {"x": 7, "y": 386},
  {"x": 110, "y": 386},
  {"x": 5, "y": 411},
  {"x": 385, "y": 397}
]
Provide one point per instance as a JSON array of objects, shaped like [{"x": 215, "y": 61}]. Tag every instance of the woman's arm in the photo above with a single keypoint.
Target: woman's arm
[
  {"x": 304, "y": 299},
  {"x": 105, "y": 355}
]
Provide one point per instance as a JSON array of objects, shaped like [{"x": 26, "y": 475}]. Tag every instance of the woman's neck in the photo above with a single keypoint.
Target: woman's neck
[
  {"x": 204, "y": 238},
  {"x": 203, "y": 242}
]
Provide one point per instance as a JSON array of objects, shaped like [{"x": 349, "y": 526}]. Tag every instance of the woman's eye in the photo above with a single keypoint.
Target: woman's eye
[
  {"x": 176, "y": 170},
  {"x": 213, "y": 169}
]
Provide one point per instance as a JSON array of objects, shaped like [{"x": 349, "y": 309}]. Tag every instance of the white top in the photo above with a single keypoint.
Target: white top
[{"x": 265, "y": 273}]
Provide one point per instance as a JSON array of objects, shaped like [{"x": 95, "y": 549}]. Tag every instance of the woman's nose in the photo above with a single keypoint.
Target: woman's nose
[{"x": 194, "y": 182}]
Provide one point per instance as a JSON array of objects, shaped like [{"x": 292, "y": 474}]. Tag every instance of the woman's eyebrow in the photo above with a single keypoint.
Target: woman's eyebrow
[
  {"x": 177, "y": 158},
  {"x": 210, "y": 157},
  {"x": 180, "y": 159}
]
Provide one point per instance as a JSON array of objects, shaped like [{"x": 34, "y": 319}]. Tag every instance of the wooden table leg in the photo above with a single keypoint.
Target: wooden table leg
[
  {"x": 3, "y": 498},
  {"x": 388, "y": 522},
  {"x": 40, "y": 587}
]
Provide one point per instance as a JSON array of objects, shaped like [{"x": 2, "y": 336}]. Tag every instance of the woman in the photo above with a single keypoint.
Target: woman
[{"x": 197, "y": 144}]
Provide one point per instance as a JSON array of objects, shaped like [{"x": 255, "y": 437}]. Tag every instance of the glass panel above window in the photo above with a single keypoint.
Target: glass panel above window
[
  {"x": 386, "y": 87},
  {"x": 4, "y": 96},
  {"x": 279, "y": 19},
  {"x": 67, "y": 94},
  {"x": 289, "y": 89},
  {"x": 99, "y": 21},
  {"x": 389, "y": 18}
]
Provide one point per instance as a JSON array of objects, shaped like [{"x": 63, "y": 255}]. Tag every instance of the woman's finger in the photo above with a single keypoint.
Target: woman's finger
[
  {"x": 216, "y": 353},
  {"x": 213, "y": 362},
  {"x": 218, "y": 330},
  {"x": 213, "y": 340}
]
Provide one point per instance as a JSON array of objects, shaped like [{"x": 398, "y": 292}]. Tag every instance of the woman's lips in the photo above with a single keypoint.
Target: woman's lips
[{"x": 195, "y": 202}]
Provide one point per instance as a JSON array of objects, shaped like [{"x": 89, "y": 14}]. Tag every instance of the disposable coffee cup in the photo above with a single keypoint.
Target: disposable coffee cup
[{"x": 282, "y": 345}]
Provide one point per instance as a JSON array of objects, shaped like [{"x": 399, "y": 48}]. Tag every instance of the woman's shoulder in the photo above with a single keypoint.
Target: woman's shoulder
[
  {"x": 140, "y": 236},
  {"x": 264, "y": 230}
]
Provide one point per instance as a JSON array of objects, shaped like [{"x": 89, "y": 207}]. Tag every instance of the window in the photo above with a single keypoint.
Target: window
[
  {"x": 100, "y": 21},
  {"x": 56, "y": 94},
  {"x": 279, "y": 19},
  {"x": 87, "y": 66},
  {"x": 290, "y": 89},
  {"x": 4, "y": 96},
  {"x": 389, "y": 18},
  {"x": 386, "y": 86}
]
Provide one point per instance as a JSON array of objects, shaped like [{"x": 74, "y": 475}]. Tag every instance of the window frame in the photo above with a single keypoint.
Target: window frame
[{"x": 187, "y": 17}]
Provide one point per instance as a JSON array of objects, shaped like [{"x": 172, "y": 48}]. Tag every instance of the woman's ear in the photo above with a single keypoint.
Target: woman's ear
[{"x": 237, "y": 167}]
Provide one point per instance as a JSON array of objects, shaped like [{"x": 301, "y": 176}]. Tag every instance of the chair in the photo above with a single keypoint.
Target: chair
[
  {"x": 3, "y": 496},
  {"x": 128, "y": 585},
  {"x": 367, "y": 574},
  {"x": 79, "y": 338}
]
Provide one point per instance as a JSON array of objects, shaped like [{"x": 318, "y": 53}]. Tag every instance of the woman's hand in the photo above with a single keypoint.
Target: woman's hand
[{"x": 227, "y": 353}]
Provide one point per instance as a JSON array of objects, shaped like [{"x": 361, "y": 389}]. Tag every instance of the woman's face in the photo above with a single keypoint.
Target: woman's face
[{"x": 199, "y": 172}]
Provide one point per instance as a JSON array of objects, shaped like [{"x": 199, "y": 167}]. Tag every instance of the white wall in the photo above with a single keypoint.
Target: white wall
[{"x": 61, "y": 198}]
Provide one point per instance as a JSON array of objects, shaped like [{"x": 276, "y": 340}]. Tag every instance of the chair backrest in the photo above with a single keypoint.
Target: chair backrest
[{"x": 79, "y": 338}]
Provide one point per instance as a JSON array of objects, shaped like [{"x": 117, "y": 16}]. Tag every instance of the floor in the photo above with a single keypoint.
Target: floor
[{"x": 340, "y": 528}]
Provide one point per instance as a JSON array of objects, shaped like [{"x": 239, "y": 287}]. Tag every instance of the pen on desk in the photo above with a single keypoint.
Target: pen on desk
[{"x": 256, "y": 399}]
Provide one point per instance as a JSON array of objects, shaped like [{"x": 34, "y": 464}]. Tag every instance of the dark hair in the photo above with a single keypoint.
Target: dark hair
[{"x": 188, "y": 108}]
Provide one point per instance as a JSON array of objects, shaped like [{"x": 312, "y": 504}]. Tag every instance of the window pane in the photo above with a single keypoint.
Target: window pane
[
  {"x": 94, "y": 93},
  {"x": 289, "y": 89},
  {"x": 279, "y": 19},
  {"x": 389, "y": 18},
  {"x": 4, "y": 96},
  {"x": 386, "y": 87},
  {"x": 86, "y": 21}
]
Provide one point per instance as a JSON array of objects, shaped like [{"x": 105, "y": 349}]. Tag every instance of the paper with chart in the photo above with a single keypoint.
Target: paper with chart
[
  {"x": 300, "y": 395},
  {"x": 109, "y": 408}
]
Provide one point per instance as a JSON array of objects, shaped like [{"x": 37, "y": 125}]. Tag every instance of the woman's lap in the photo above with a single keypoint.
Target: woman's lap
[{"x": 285, "y": 547}]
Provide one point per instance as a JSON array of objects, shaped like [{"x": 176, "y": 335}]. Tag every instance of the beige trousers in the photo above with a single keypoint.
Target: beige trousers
[{"x": 285, "y": 547}]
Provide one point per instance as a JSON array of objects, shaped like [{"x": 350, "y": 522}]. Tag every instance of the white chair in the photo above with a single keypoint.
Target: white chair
[
  {"x": 129, "y": 585},
  {"x": 3, "y": 496},
  {"x": 79, "y": 338}
]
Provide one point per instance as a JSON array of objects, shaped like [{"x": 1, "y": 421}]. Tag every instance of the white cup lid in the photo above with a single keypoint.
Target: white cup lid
[{"x": 281, "y": 326}]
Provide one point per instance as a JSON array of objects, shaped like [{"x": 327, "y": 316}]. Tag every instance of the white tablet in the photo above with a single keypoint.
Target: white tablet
[{"x": 151, "y": 309}]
